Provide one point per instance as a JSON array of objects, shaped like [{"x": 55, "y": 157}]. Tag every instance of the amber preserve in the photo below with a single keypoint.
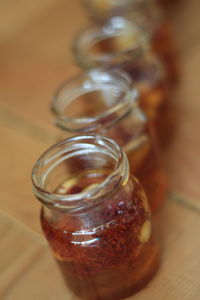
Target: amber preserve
[
  {"x": 121, "y": 44},
  {"x": 96, "y": 218},
  {"x": 106, "y": 103}
]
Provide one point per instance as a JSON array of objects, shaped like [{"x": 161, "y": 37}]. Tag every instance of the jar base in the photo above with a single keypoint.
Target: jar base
[{"x": 97, "y": 288}]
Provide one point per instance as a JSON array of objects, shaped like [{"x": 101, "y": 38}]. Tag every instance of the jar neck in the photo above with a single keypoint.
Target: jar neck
[
  {"x": 105, "y": 9},
  {"x": 147, "y": 15},
  {"x": 110, "y": 44},
  {"x": 94, "y": 102},
  {"x": 67, "y": 159}
]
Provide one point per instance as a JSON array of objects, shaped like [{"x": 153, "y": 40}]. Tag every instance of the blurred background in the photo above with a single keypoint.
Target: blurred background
[{"x": 35, "y": 57}]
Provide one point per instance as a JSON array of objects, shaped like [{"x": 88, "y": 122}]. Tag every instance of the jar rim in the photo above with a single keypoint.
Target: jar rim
[
  {"x": 85, "y": 83},
  {"x": 75, "y": 202},
  {"x": 119, "y": 4},
  {"x": 115, "y": 26},
  {"x": 124, "y": 8}
]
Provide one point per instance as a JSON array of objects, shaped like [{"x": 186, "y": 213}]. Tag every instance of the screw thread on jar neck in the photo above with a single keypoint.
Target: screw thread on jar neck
[
  {"x": 145, "y": 10},
  {"x": 127, "y": 38},
  {"x": 93, "y": 101},
  {"x": 57, "y": 163}
]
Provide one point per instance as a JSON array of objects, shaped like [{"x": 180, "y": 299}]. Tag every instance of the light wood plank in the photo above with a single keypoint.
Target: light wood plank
[
  {"x": 19, "y": 152},
  {"x": 182, "y": 158},
  {"x": 178, "y": 276},
  {"x": 185, "y": 20},
  {"x": 15, "y": 15},
  {"x": 49, "y": 34},
  {"x": 27, "y": 84}
]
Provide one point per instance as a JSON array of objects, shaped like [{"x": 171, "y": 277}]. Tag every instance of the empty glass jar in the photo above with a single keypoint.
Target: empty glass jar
[
  {"x": 105, "y": 103},
  {"x": 148, "y": 15},
  {"x": 95, "y": 218},
  {"x": 119, "y": 44}
]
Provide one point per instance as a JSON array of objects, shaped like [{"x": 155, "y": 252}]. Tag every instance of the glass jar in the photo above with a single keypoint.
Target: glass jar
[
  {"x": 148, "y": 15},
  {"x": 169, "y": 5},
  {"x": 95, "y": 218},
  {"x": 119, "y": 44},
  {"x": 100, "y": 10},
  {"x": 106, "y": 103},
  {"x": 152, "y": 19}
]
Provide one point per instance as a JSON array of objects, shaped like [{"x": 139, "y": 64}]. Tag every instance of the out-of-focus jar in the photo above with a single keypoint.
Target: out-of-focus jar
[
  {"x": 169, "y": 5},
  {"x": 96, "y": 219},
  {"x": 149, "y": 16},
  {"x": 101, "y": 10},
  {"x": 105, "y": 103},
  {"x": 120, "y": 44}
]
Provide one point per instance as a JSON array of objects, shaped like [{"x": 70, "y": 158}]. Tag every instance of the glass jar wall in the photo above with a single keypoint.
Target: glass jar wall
[
  {"x": 120, "y": 44},
  {"x": 105, "y": 103},
  {"x": 148, "y": 15},
  {"x": 95, "y": 218}
]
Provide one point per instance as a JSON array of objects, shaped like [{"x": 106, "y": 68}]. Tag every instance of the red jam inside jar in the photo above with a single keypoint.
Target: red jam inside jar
[
  {"x": 153, "y": 98},
  {"x": 110, "y": 107},
  {"x": 149, "y": 16},
  {"x": 146, "y": 71},
  {"x": 144, "y": 158},
  {"x": 164, "y": 45},
  {"x": 113, "y": 254},
  {"x": 96, "y": 219}
]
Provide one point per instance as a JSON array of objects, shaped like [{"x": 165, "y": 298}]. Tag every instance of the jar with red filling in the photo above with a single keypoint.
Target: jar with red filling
[
  {"x": 169, "y": 5},
  {"x": 106, "y": 103},
  {"x": 100, "y": 10},
  {"x": 149, "y": 16},
  {"x": 152, "y": 19},
  {"x": 119, "y": 44},
  {"x": 95, "y": 218}
]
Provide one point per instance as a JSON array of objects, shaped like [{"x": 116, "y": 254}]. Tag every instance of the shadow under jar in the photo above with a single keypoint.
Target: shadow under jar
[
  {"x": 150, "y": 17},
  {"x": 118, "y": 44},
  {"x": 105, "y": 103},
  {"x": 96, "y": 219}
]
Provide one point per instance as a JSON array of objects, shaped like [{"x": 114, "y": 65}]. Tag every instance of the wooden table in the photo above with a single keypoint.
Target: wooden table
[{"x": 35, "y": 57}]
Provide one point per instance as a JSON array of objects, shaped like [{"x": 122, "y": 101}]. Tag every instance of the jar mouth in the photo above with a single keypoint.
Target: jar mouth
[
  {"x": 139, "y": 10},
  {"x": 109, "y": 6},
  {"x": 74, "y": 147},
  {"x": 117, "y": 98},
  {"x": 130, "y": 41},
  {"x": 112, "y": 4}
]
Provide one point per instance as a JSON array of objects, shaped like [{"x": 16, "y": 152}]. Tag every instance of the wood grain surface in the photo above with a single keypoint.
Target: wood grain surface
[{"x": 35, "y": 57}]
